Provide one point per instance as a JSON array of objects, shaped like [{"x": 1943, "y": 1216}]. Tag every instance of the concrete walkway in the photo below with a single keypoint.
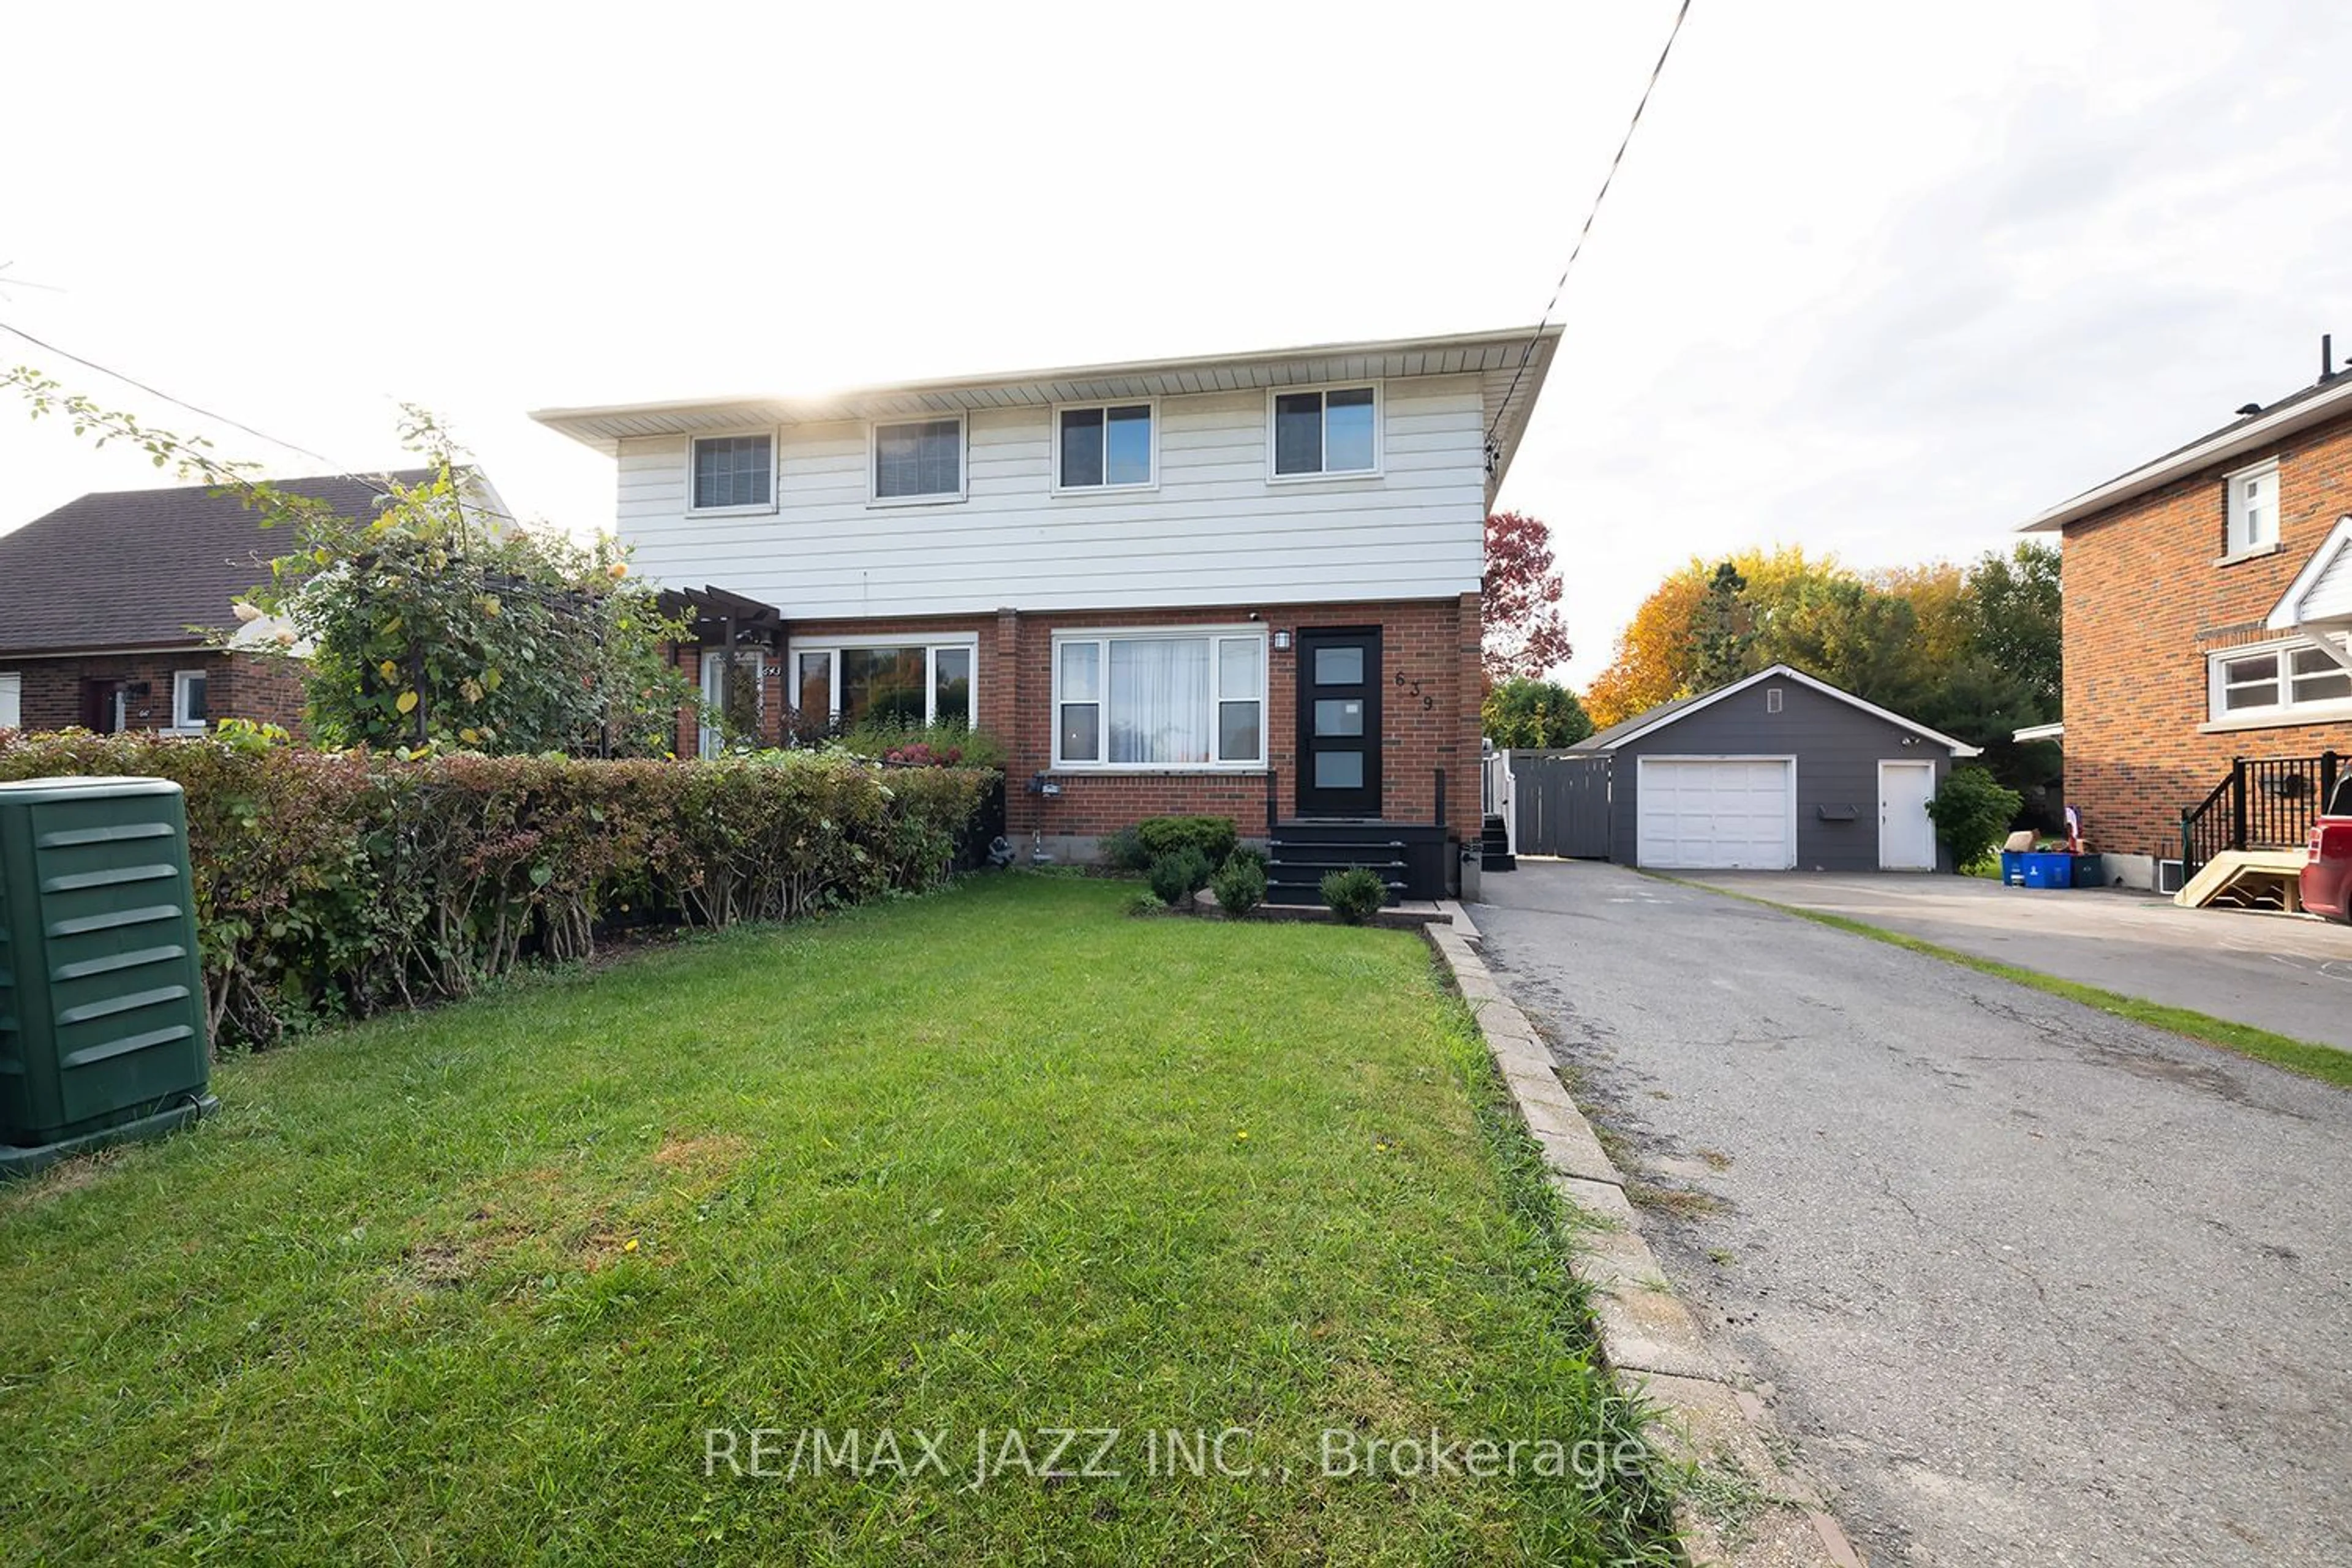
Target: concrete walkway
[
  {"x": 2028, "y": 1284},
  {"x": 2289, "y": 975}
]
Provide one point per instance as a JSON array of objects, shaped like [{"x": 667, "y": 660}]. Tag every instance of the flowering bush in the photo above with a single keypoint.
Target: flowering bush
[{"x": 334, "y": 883}]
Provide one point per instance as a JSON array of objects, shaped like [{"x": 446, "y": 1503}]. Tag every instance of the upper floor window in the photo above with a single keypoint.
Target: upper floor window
[
  {"x": 734, "y": 472},
  {"x": 1107, "y": 448},
  {"x": 2279, "y": 679},
  {"x": 2253, "y": 508},
  {"x": 1332, "y": 432},
  {"x": 188, "y": 708},
  {"x": 921, "y": 460}
]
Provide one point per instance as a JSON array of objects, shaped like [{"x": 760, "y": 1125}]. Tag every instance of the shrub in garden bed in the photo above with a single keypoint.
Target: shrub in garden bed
[
  {"x": 1240, "y": 883},
  {"x": 1213, "y": 837},
  {"x": 344, "y": 883},
  {"x": 1177, "y": 876},
  {"x": 1355, "y": 894}
]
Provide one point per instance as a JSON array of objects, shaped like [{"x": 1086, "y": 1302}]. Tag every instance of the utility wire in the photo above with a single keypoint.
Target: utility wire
[
  {"x": 339, "y": 471},
  {"x": 1586, "y": 232}
]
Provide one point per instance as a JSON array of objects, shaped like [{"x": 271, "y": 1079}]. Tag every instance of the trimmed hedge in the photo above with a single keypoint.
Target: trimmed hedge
[{"x": 335, "y": 884}]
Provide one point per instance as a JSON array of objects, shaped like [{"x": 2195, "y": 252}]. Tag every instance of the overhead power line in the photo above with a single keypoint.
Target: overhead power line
[
  {"x": 1591, "y": 213},
  {"x": 335, "y": 467}
]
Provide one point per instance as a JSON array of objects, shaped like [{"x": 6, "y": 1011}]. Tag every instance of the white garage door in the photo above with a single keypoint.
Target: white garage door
[{"x": 1717, "y": 814}]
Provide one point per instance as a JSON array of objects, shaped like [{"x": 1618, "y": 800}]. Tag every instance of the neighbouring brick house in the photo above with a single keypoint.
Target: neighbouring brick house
[
  {"x": 98, "y": 597},
  {"x": 2209, "y": 618},
  {"x": 1246, "y": 584}
]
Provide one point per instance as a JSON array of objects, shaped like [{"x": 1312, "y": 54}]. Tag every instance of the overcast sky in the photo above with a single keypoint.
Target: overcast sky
[{"x": 1883, "y": 279}]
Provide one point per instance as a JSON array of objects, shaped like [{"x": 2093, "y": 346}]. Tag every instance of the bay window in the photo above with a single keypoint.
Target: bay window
[{"x": 1173, "y": 699}]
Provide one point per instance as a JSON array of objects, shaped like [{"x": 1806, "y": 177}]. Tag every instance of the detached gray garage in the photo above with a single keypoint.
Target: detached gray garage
[{"x": 1774, "y": 773}]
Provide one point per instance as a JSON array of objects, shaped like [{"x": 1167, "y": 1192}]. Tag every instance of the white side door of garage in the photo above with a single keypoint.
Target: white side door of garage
[
  {"x": 1717, "y": 814},
  {"x": 12, "y": 695}
]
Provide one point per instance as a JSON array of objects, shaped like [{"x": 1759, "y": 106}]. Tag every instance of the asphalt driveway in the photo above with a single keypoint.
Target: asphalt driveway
[
  {"x": 2027, "y": 1283},
  {"x": 2282, "y": 973}
]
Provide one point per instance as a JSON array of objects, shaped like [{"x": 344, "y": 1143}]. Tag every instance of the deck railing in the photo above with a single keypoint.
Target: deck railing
[{"x": 2265, "y": 803}]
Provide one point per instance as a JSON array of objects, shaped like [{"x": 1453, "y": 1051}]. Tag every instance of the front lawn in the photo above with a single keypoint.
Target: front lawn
[{"x": 481, "y": 1284}]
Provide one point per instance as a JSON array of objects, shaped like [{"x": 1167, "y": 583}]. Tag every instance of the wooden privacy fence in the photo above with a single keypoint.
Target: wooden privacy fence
[{"x": 1561, "y": 803}]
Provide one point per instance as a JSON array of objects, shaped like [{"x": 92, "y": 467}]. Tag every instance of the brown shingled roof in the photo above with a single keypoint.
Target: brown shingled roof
[{"x": 137, "y": 568}]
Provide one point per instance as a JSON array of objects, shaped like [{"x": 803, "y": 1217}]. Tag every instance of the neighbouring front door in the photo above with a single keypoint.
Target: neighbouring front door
[
  {"x": 1339, "y": 722},
  {"x": 1907, "y": 835}
]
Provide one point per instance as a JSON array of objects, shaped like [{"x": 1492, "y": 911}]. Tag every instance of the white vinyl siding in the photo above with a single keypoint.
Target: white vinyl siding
[
  {"x": 1717, "y": 813},
  {"x": 1214, "y": 530}
]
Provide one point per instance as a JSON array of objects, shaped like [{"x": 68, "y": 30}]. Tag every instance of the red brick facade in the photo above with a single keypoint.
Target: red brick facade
[
  {"x": 57, "y": 691},
  {"x": 2145, "y": 603},
  {"x": 1429, "y": 673}
]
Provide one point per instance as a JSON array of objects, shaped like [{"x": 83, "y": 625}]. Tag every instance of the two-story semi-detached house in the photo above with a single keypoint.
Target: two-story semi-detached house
[
  {"x": 2208, "y": 619},
  {"x": 1246, "y": 584}
]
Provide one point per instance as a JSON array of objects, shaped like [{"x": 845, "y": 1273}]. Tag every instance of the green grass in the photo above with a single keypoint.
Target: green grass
[
  {"x": 2324, "y": 1063},
  {"x": 472, "y": 1285}
]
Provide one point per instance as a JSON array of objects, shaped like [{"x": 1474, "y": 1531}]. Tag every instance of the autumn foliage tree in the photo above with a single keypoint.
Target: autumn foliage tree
[
  {"x": 1525, "y": 634},
  {"x": 1972, "y": 651}
]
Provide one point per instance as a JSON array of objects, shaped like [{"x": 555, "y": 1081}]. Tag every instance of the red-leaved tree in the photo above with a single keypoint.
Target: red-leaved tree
[{"x": 1525, "y": 634}]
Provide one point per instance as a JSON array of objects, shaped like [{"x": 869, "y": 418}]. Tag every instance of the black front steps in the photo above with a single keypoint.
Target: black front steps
[
  {"x": 1494, "y": 846},
  {"x": 1408, "y": 857}
]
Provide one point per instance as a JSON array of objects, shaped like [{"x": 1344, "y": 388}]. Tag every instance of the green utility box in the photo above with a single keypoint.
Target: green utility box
[{"x": 101, "y": 994}]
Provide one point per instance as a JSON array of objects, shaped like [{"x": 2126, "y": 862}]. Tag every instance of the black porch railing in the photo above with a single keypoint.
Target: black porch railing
[{"x": 2265, "y": 803}]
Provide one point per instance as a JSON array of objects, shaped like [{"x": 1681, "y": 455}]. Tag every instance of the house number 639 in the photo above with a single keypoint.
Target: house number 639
[{"x": 1427, "y": 702}]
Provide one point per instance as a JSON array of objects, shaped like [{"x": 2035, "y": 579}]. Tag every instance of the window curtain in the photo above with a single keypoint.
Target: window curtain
[{"x": 1159, "y": 702}]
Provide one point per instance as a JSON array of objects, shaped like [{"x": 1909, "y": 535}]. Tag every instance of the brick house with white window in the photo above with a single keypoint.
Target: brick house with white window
[
  {"x": 2208, "y": 624},
  {"x": 1246, "y": 584},
  {"x": 108, "y": 603}
]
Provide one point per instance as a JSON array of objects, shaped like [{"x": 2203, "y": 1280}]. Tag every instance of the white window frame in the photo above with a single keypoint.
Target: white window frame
[
  {"x": 873, "y": 428},
  {"x": 932, "y": 644},
  {"x": 1104, "y": 635},
  {"x": 711, "y": 740},
  {"x": 1327, "y": 476},
  {"x": 12, "y": 700},
  {"x": 2284, "y": 710},
  {"x": 181, "y": 723},
  {"x": 775, "y": 463},
  {"x": 2238, "y": 544},
  {"x": 1106, "y": 405}
]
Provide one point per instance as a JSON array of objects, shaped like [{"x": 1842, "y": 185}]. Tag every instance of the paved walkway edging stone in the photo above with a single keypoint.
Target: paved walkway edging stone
[{"x": 1771, "y": 1516}]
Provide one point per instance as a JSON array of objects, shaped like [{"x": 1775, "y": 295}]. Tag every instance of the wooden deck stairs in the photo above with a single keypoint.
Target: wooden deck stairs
[{"x": 2246, "y": 879}]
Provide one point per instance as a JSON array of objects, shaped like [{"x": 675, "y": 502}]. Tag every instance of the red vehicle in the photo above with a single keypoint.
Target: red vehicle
[{"x": 2327, "y": 869}]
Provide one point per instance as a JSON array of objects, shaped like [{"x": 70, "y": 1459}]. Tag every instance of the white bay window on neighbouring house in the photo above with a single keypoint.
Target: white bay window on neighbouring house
[
  {"x": 1170, "y": 699},
  {"x": 2284, "y": 680}
]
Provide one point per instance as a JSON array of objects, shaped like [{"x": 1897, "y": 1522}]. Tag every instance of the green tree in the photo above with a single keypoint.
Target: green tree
[
  {"x": 2019, "y": 619},
  {"x": 1722, "y": 631},
  {"x": 1534, "y": 713}
]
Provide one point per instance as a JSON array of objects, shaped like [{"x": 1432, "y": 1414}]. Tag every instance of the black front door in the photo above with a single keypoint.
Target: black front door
[{"x": 1339, "y": 722}]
